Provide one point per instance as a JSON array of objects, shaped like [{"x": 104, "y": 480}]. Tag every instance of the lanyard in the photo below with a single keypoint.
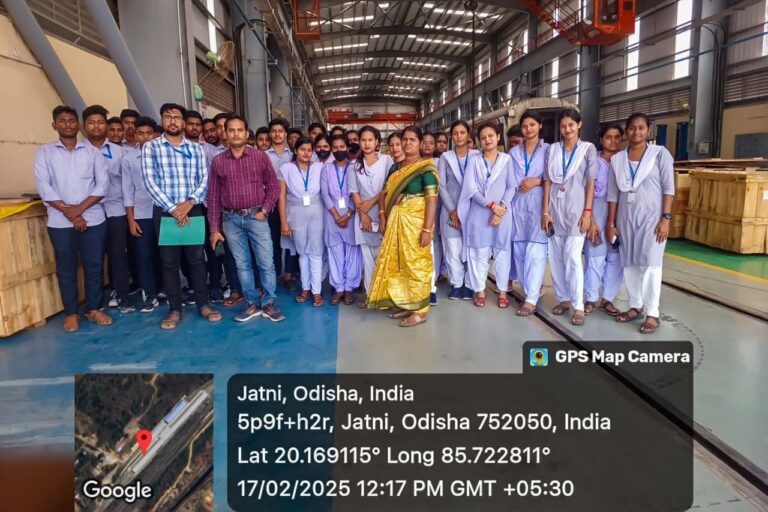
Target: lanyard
[
  {"x": 533, "y": 155},
  {"x": 187, "y": 153},
  {"x": 570, "y": 159},
  {"x": 488, "y": 169},
  {"x": 344, "y": 176},
  {"x": 633, "y": 172},
  {"x": 462, "y": 168},
  {"x": 108, "y": 154},
  {"x": 306, "y": 180}
]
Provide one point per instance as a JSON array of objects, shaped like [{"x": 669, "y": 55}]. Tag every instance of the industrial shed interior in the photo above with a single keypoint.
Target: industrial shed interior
[{"x": 699, "y": 69}]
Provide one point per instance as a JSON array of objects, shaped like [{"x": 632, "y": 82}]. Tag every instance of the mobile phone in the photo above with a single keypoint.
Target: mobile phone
[
  {"x": 615, "y": 242},
  {"x": 550, "y": 229},
  {"x": 219, "y": 249}
]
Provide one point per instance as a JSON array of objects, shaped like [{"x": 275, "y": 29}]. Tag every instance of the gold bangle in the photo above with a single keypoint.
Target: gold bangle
[
  {"x": 381, "y": 213},
  {"x": 427, "y": 230}
]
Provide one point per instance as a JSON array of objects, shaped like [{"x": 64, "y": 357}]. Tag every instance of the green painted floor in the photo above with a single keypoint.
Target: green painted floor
[{"x": 751, "y": 264}]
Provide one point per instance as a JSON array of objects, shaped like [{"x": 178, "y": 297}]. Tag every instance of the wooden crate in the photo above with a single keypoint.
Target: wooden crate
[
  {"x": 29, "y": 291},
  {"x": 679, "y": 206},
  {"x": 739, "y": 163},
  {"x": 728, "y": 209}
]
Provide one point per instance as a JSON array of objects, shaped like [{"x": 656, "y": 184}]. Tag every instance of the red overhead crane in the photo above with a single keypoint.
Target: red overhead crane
[
  {"x": 612, "y": 21},
  {"x": 306, "y": 19}
]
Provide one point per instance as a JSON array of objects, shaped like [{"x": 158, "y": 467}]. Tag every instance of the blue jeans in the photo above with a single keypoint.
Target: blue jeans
[
  {"x": 244, "y": 233},
  {"x": 89, "y": 245}
]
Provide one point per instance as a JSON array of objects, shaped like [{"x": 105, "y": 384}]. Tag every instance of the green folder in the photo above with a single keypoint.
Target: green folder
[{"x": 193, "y": 233}]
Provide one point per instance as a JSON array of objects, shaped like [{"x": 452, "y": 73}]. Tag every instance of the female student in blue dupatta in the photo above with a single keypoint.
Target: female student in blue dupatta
[
  {"x": 569, "y": 187},
  {"x": 529, "y": 242},
  {"x": 301, "y": 218}
]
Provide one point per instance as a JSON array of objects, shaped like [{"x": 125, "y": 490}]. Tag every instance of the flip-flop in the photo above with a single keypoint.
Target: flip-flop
[
  {"x": 349, "y": 299},
  {"x": 210, "y": 314},
  {"x": 336, "y": 298},
  {"x": 604, "y": 308},
  {"x": 526, "y": 310},
  {"x": 399, "y": 315},
  {"x": 171, "y": 321},
  {"x": 479, "y": 302},
  {"x": 560, "y": 309},
  {"x": 303, "y": 297},
  {"x": 503, "y": 302},
  {"x": 317, "y": 300},
  {"x": 589, "y": 307}
]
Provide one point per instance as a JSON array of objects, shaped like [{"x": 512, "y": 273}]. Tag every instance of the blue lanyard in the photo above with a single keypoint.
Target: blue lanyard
[
  {"x": 570, "y": 159},
  {"x": 462, "y": 168},
  {"x": 633, "y": 172},
  {"x": 533, "y": 155},
  {"x": 187, "y": 153},
  {"x": 108, "y": 154},
  {"x": 306, "y": 180},
  {"x": 344, "y": 177},
  {"x": 488, "y": 169}
]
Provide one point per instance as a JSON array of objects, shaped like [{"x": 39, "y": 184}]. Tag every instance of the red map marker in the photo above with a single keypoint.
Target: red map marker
[{"x": 144, "y": 437}]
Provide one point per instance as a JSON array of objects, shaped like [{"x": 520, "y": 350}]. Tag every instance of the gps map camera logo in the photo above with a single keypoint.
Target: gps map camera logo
[{"x": 539, "y": 357}]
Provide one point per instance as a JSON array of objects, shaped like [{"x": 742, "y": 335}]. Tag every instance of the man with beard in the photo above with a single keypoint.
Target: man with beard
[
  {"x": 262, "y": 138},
  {"x": 176, "y": 177},
  {"x": 210, "y": 134}
]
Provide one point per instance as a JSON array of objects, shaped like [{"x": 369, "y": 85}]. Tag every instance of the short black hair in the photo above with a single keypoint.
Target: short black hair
[
  {"x": 514, "y": 131},
  {"x": 321, "y": 136},
  {"x": 172, "y": 106},
  {"x": 437, "y": 135},
  {"x": 145, "y": 121},
  {"x": 298, "y": 131},
  {"x": 337, "y": 128},
  {"x": 114, "y": 120},
  {"x": 208, "y": 120},
  {"x": 158, "y": 129},
  {"x": 262, "y": 129},
  {"x": 394, "y": 135},
  {"x": 280, "y": 121},
  {"x": 251, "y": 134},
  {"x": 610, "y": 126},
  {"x": 129, "y": 112},
  {"x": 317, "y": 125},
  {"x": 427, "y": 134},
  {"x": 222, "y": 115},
  {"x": 95, "y": 110},
  {"x": 235, "y": 117},
  {"x": 339, "y": 136},
  {"x": 461, "y": 122},
  {"x": 189, "y": 114},
  {"x": 63, "y": 109}
]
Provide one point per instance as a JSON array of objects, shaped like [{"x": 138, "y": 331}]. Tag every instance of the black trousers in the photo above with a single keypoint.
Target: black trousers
[
  {"x": 291, "y": 262},
  {"x": 117, "y": 254},
  {"x": 170, "y": 255}
]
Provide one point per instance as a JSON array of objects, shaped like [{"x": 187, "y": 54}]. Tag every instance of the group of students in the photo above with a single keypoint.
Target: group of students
[{"x": 289, "y": 204}]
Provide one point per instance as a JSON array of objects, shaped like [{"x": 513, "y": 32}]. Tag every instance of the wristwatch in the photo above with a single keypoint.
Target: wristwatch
[
  {"x": 192, "y": 201},
  {"x": 667, "y": 216}
]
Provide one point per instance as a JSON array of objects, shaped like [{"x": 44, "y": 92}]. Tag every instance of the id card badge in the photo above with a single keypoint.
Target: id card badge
[
  {"x": 561, "y": 192},
  {"x": 305, "y": 199},
  {"x": 342, "y": 203},
  {"x": 374, "y": 227},
  {"x": 631, "y": 197}
]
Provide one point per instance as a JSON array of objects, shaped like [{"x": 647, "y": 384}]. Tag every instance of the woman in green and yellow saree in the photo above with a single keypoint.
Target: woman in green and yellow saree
[{"x": 407, "y": 210}]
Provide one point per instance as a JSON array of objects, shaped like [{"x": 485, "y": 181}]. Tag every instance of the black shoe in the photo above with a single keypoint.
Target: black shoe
[
  {"x": 467, "y": 294},
  {"x": 433, "y": 299},
  {"x": 272, "y": 312},
  {"x": 217, "y": 296},
  {"x": 149, "y": 305},
  {"x": 455, "y": 294},
  {"x": 124, "y": 306}
]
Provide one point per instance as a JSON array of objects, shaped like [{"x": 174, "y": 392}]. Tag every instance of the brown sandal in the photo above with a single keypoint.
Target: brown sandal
[
  {"x": 233, "y": 299},
  {"x": 413, "y": 321},
  {"x": 317, "y": 300},
  {"x": 503, "y": 302},
  {"x": 349, "y": 298},
  {"x": 560, "y": 309},
  {"x": 303, "y": 296},
  {"x": 649, "y": 327},
  {"x": 98, "y": 317},
  {"x": 399, "y": 315},
  {"x": 526, "y": 309},
  {"x": 479, "y": 301},
  {"x": 608, "y": 308},
  {"x": 210, "y": 314},
  {"x": 171, "y": 321},
  {"x": 363, "y": 303},
  {"x": 629, "y": 315},
  {"x": 589, "y": 307},
  {"x": 71, "y": 323},
  {"x": 577, "y": 318},
  {"x": 336, "y": 298}
]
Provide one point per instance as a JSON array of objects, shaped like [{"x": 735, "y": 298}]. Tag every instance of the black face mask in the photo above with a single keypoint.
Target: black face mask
[
  {"x": 340, "y": 155},
  {"x": 323, "y": 155},
  {"x": 354, "y": 148},
  {"x": 437, "y": 154}
]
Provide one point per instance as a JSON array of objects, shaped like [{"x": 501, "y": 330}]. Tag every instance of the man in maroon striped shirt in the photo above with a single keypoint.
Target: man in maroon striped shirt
[{"x": 242, "y": 191}]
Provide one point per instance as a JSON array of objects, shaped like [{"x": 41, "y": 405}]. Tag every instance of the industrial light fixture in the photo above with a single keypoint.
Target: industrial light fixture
[
  {"x": 333, "y": 66},
  {"x": 439, "y": 41},
  {"x": 341, "y": 47},
  {"x": 422, "y": 64},
  {"x": 341, "y": 78}
]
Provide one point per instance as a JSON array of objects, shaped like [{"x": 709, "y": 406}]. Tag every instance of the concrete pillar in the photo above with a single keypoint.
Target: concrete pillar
[
  {"x": 703, "y": 95},
  {"x": 255, "y": 82},
  {"x": 589, "y": 93},
  {"x": 279, "y": 89},
  {"x": 155, "y": 33}
]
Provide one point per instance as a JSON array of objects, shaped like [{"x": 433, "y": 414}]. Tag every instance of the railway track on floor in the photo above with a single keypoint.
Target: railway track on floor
[
  {"x": 725, "y": 461},
  {"x": 690, "y": 289}
]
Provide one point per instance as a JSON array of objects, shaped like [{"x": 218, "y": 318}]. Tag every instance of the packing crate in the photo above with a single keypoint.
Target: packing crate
[
  {"x": 29, "y": 291},
  {"x": 728, "y": 209},
  {"x": 682, "y": 191}
]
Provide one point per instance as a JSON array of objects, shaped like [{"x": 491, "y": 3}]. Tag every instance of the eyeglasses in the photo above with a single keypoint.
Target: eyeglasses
[{"x": 177, "y": 119}]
